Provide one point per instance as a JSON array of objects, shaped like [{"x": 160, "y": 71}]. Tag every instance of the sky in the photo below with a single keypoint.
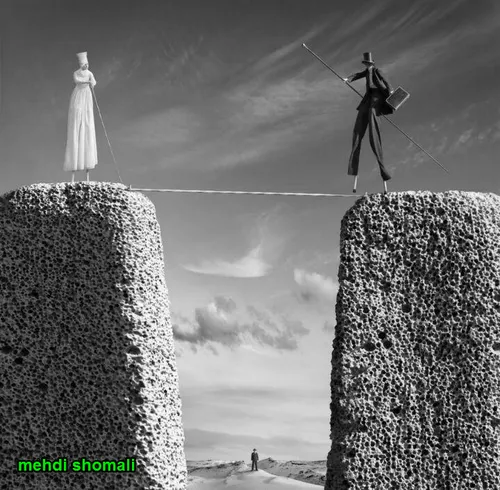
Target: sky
[{"x": 220, "y": 94}]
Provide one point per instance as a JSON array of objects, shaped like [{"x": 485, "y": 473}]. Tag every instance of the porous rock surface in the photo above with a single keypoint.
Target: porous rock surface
[
  {"x": 415, "y": 364},
  {"x": 87, "y": 362}
]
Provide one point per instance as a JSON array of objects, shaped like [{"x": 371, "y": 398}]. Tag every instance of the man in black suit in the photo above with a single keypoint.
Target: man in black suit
[
  {"x": 254, "y": 457},
  {"x": 373, "y": 105}
]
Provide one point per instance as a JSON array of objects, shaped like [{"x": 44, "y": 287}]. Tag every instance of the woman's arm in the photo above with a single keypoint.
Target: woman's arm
[
  {"x": 93, "y": 83},
  {"x": 80, "y": 79}
]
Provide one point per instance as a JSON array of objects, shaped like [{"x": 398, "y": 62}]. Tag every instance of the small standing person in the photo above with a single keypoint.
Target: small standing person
[
  {"x": 254, "y": 457},
  {"x": 372, "y": 105},
  {"x": 81, "y": 147}
]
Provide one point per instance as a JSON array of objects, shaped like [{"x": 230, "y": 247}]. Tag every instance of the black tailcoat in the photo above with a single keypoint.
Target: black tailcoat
[{"x": 378, "y": 89}]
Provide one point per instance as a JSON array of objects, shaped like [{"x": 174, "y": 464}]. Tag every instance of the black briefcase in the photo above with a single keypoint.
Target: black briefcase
[{"x": 397, "y": 98}]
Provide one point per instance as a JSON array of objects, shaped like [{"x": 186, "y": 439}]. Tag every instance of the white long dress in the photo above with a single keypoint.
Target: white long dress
[{"x": 81, "y": 147}]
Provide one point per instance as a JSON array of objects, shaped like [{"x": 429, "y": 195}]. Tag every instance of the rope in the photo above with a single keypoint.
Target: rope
[
  {"x": 106, "y": 134},
  {"x": 199, "y": 191}
]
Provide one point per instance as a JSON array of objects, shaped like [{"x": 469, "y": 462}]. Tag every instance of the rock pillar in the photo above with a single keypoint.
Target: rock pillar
[
  {"x": 415, "y": 365},
  {"x": 88, "y": 372}
]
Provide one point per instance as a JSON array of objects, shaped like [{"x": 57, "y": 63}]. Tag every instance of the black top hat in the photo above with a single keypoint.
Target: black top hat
[{"x": 367, "y": 58}]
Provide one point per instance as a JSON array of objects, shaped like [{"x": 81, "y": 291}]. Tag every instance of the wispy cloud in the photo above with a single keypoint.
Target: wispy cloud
[
  {"x": 415, "y": 52},
  {"x": 183, "y": 66},
  {"x": 258, "y": 261},
  {"x": 221, "y": 322},
  {"x": 249, "y": 266},
  {"x": 305, "y": 259},
  {"x": 265, "y": 110},
  {"x": 173, "y": 128},
  {"x": 462, "y": 141},
  {"x": 445, "y": 145},
  {"x": 108, "y": 72},
  {"x": 469, "y": 128},
  {"x": 281, "y": 59},
  {"x": 315, "y": 288}
]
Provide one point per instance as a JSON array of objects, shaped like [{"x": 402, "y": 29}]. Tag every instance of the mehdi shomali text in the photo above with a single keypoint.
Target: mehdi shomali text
[{"x": 79, "y": 465}]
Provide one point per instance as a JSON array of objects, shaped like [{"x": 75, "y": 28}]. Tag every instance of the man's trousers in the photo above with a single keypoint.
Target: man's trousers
[
  {"x": 367, "y": 118},
  {"x": 254, "y": 463}
]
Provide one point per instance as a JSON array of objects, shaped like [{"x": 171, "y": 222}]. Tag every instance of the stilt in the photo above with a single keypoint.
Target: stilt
[
  {"x": 88, "y": 175},
  {"x": 72, "y": 177},
  {"x": 355, "y": 183},
  {"x": 385, "y": 187}
]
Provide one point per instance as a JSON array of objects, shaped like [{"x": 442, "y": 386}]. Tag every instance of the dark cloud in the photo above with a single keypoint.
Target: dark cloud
[
  {"x": 217, "y": 323},
  {"x": 213, "y": 350},
  {"x": 225, "y": 304},
  {"x": 262, "y": 317}
]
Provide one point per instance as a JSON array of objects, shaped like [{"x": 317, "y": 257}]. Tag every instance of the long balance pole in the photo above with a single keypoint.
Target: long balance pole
[{"x": 386, "y": 118}]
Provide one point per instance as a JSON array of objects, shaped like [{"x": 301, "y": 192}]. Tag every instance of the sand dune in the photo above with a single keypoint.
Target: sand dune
[{"x": 288, "y": 475}]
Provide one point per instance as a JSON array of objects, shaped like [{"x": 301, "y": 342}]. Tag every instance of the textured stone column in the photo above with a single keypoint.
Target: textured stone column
[
  {"x": 87, "y": 362},
  {"x": 415, "y": 365}
]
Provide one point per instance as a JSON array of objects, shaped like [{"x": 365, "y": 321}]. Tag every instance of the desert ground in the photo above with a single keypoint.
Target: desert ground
[{"x": 289, "y": 475}]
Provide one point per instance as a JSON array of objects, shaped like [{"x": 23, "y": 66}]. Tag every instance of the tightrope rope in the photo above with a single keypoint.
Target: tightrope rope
[
  {"x": 199, "y": 191},
  {"x": 106, "y": 134}
]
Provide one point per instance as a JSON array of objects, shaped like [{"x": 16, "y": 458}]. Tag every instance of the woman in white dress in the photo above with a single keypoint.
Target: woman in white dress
[{"x": 81, "y": 148}]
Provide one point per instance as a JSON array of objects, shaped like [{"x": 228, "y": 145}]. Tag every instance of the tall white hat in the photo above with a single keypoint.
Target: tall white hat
[{"x": 82, "y": 58}]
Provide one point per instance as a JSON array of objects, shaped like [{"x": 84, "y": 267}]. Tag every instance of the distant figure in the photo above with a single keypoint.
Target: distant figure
[
  {"x": 372, "y": 105},
  {"x": 81, "y": 147},
  {"x": 254, "y": 457}
]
